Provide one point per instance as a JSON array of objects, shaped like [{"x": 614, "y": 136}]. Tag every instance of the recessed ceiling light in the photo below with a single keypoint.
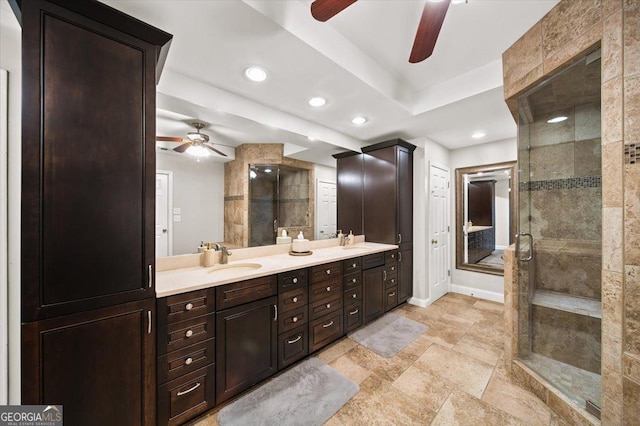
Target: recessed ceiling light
[
  {"x": 478, "y": 135},
  {"x": 317, "y": 101},
  {"x": 557, "y": 119},
  {"x": 255, "y": 74},
  {"x": 359, "y": 120}
]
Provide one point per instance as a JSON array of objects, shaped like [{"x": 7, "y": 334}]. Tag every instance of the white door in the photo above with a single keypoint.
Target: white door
[
  {"x": 327, "y": 212},
  {"x": 163, "y": 207},
  {"x": 439, "y": 269}
]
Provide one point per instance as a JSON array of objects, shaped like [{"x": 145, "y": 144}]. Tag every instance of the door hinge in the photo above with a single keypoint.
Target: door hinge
[
  {"x": 447, "y": 184},
  {"x": 449, "y": 273},
  {"x": 448, "y": 228}
]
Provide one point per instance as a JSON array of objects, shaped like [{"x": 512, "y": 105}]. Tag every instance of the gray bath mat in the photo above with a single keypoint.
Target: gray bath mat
[
  {"x": 308, "y": 394},
  {"x": 389, "y": 335}
]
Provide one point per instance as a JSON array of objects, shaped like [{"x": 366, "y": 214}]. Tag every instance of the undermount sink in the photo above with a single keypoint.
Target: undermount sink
[
  {"x": 234, "y": 268},
  {"x": 356, "y": 247}
]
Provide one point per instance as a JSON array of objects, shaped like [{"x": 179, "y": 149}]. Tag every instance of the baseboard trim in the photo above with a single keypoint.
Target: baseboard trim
[
  {"x": 423, "y": 303},
  {"x": 481, "y": 294}
]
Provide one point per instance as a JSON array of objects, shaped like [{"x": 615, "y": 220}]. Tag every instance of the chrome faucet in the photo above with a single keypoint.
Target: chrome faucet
[
  {"x": 343, "y": 238},
  {"x": 224, "y": 258}
]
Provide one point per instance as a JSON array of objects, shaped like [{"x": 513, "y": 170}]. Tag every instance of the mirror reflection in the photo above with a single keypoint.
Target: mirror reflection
[{"x": 484, "y": 216}]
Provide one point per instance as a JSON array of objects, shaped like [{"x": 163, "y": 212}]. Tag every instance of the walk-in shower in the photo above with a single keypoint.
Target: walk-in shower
[{"x": 559, "y": 230}]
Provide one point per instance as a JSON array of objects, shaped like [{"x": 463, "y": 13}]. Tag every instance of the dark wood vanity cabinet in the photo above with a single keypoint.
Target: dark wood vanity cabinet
[
  {"x": 293, "y": 316},
  {"x": 88, "y": 210},
  {"x": 373, "y": 293},
  {"x": 405, "y": 275}
]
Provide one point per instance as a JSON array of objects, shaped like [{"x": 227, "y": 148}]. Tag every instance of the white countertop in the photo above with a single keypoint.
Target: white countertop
[{"x": 183, "y": 280}]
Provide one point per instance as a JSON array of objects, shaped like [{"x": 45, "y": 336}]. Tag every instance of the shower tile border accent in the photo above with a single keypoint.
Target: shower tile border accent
[
  {"x": 581, "y": 182},
  {"x": 632, "y": 153}
]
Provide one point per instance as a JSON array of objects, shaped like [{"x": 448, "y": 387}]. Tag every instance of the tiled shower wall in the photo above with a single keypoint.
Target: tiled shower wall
[
  {"x": 236, "y": 190},
  {"x": 569, "y": 30}
]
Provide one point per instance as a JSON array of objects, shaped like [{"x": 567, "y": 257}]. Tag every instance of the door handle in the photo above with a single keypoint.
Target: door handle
[
  {"x": 275, "y": 310},
  {"x": 434, "y": 241},
  {"x": 164, "y": 230},
  {"x": 150, "y": 322},
  {"x": 399, "y": 238},
  {"x": 150, "y": 278},
  {"x": 518, "y": 252}
]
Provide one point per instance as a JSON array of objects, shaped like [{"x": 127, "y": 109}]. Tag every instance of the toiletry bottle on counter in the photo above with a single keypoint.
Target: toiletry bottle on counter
[{"x": 352, "y": 238}]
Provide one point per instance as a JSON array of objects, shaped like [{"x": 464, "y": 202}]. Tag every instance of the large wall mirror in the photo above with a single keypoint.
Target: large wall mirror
[{"x": 485, "y": 216}]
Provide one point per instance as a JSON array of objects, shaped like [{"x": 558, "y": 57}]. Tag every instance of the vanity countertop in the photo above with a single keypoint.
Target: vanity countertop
[{"x": 183, "y": 280}]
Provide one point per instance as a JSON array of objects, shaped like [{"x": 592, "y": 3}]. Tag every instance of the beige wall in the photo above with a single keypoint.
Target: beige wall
[{"x": 570, "y": 29}]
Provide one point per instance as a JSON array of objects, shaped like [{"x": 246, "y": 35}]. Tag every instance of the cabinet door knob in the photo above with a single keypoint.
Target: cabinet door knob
[
  {"x": 294, "y": 280},
  {"x": 328, "y": 288},
  {"x": 294, "y": 300},
  {"x": 393, "y": 280},
  {"x": 328, "y": 271},
  {"x": 294, "y": 319},
  {"x": 327, "y": 325},
  {"x": 328, "y": 305},
  {"x": 188, "y": 361},
  {"x": 189, "y": 306},
  {"x": 189, "y": 333}
]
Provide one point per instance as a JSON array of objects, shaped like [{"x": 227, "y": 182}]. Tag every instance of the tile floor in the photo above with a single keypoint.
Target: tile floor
[{"x": 451, "y": 375}]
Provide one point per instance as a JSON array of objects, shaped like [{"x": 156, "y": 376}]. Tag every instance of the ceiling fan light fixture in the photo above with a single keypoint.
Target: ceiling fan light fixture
[
  {"x": 359, "y": 121},
  {"x": 198, "y": 151},
  {"x": 255, "y": 74},
  {"x": 317, "y": 101}
]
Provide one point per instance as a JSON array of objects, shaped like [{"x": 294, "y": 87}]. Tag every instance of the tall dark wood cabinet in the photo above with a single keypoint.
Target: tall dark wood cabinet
[
  {"x": 350, "y": 167},
  {"x": 388, "y": 204},
  {"x": 88, "y": 210}
]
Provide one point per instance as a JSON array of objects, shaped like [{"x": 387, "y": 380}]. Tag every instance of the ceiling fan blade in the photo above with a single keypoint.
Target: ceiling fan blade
[
  {"x": 428, "y": 30},
  {"x": 216, "y": 151},
  {"x": 323, "y": 10},
  {"x": 182, "y": 148},
  {"x": 168, "y": 139}
]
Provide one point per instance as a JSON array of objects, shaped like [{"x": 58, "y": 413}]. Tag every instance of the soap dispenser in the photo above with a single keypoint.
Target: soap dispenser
[{"x": 352, "y": 238}]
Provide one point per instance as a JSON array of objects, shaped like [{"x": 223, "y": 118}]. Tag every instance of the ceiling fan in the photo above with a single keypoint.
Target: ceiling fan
[
  {"x": 428, "y": 29},
  {"x": 194, "y": 142}
]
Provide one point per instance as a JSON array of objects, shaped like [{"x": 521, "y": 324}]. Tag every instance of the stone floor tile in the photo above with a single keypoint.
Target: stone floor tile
[
  {"x": 480, "y": 351},
  {"x": 461, "y": 408},
  {"x": 337, "y": 349},
  {"x": 428, "y": 389},
  {"x": 350, "y": 369},
  {"x": 516, "y": 401}
]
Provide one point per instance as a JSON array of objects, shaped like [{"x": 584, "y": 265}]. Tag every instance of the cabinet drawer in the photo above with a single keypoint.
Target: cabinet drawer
[
  {"x": 352, "y": 280},
  {"x": 292, "y": 299},
  {"x": 352, "y": 316},
  {"x": 293, "y": 279},
  {"x": 185, "y": 333},
  {"x": 391, "y": 268},
  {"x": 183, "y": 361},
  {"x": 325, "y": 272},
  {"x": 324, "y": 306},
  {"x": 391, "y": 256},
  {"x": 351, "y": 265},
  {"x": 293, "y": 319},
  {"x": 230, "y": 295},
  {"x": 392, "y": 280},
  {"x": 184, "y": 306},
  {"x": 372, "y": 260},
  {"x": 184, "y": 398},
  {"x": 391, "y": 298},
  {"x": 353, "y": 295},
  {"x": 293, "y": 346},
  {"x": 325, "y": 330},
  {"x": 325, "y": 289}
]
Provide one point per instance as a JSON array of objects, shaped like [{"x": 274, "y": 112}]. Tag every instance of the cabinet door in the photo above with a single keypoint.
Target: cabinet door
[
  {"x": 246, "y": 346},
  {"x": 380, "y": 198},
  {"x": 405, "y": 198},
  {"x": 88, "y": 163},
  {"x": 405, "y": 275},
  {"x": 99, "y": 364},
  {"x": 373, "y": 289},
  {"x": 349, "y": 193}
]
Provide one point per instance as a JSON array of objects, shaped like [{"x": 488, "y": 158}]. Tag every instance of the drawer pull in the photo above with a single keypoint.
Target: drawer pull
[
  {"x": 353, "y": 296},
  {"x": 393, "y": 280},
  {"x": 328, "y": 271},
  {"x": 393, "y": 268},
  {"x": 189, "y": 306},
  {"x": 329, "y": 288},
  {"x": 353, "y": 280},
  {"x": 294, "y": 280},
  {"x": 294, "y": 319},
  {"x": 327, "y": 325},
  {"x": 196, "y": 386},
  {"x": 189, "y": 333},
  {"x": 392, "y": 294},
  {"x": 328, "y": 305},
  {"x": 294, "y": 340},
  {"x": 188, "y": 361},
  {"x": 353, "y": 265},
  {"x": 393, "y": 256},
  {"x": 354, "y": 312},
  {"x": 294, "y": 300}
]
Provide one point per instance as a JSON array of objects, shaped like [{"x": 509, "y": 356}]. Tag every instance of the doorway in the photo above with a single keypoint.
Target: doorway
[
  {"x": 164, "y": 205},
  {"x": 439, "y": 230},
  {"x": 327, "y": 214}
]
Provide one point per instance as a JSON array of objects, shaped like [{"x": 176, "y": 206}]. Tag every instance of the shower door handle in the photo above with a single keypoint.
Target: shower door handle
[
  {"x": 275, "y": 225},
  {"x": 519, "y": 252}
]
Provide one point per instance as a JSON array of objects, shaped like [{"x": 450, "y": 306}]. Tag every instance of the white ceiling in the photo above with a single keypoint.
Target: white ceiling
[{"x": 358, "y": 60}]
